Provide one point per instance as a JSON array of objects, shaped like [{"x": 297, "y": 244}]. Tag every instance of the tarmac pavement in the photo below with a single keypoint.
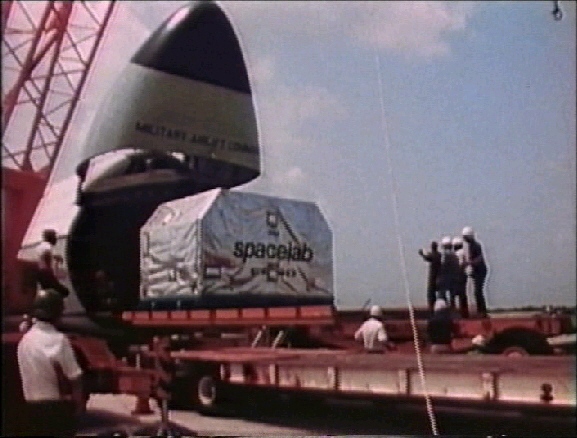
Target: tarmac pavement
[
  {"x": 254, "y": 417},
  {"x": 107, "y": 414}
]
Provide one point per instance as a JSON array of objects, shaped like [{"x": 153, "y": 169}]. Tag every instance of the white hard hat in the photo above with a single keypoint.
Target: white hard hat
[
  {"x": 375, "y": 311},
  {"x": 446, "y": 241},
  {"x": 440, "y": 305},
  {"x": 468, "y": 231},
  {"x": 457, "y": 241}
]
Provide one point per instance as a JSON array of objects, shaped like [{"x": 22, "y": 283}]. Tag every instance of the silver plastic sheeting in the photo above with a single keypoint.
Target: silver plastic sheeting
[{"x": 224, "y": 242}]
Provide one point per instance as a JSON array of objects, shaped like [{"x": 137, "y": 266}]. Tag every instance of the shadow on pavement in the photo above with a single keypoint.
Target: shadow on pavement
[
  {"x": 102, "y": 423},
  {"x": 388, "y": 419},
  {"x": 176, "y": 430},
  {"x": 97, "y": 421}
]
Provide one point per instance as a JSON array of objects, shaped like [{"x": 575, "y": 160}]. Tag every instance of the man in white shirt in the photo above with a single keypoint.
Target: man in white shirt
[
  {"x": 47, "y": 366},
  {"x": 372, "y": 332},
  {"x": 45, "y": 250},
  {"x": 49, "y": 264}
]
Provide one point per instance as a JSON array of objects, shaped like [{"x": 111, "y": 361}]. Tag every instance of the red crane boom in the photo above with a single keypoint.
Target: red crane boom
[{"x": 48, "y": 48}]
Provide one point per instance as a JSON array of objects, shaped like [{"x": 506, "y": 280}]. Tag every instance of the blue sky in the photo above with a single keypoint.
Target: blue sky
[{"x": 479, "y": 99}]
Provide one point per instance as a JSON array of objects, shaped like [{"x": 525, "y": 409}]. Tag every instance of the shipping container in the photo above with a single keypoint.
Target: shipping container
[{"x": 225, "y": 248}]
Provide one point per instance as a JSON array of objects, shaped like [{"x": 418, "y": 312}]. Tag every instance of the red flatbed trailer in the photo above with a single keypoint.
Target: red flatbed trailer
[
  {"x": 537, "y": 385},
  {"x": 518, "y": 334},
  {"x": 337, "y": 367},
  {"x": 334, "y": 367}
]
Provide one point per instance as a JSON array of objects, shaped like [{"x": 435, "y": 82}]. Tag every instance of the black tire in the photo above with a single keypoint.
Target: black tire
[
  {"x": 518, "y": 341},
  {"x": 200, "y": 389},
  {"x": 207, "y": 394}
]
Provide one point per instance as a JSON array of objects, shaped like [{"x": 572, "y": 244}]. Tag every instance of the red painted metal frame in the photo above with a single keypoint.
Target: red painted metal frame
[
  {"x": 21, "y": 192},
  {"x": 48, "y": 49},
  {"x": 300, "y": 315},
  {"x": 51, "y": 52}
]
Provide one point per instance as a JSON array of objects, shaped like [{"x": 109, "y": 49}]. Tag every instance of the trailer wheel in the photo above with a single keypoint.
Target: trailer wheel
[
  {"x": 206, "y": 392},
  {"x": 516, "y": 342},
  {"x": 515, "y": 352}
]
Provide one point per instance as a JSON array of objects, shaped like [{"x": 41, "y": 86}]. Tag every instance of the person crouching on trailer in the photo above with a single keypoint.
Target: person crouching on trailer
[
  {"x": 441, "y": 328},
  {"x": 372, "y": 332}
]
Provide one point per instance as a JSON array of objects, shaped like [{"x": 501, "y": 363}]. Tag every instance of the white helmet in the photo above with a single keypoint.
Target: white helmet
[
  {"x": 446, "y": 241},
  {"x": 375, "y": 311},
  {"x": 457, "y": 241},
  {"x": 468, "y": 232}
]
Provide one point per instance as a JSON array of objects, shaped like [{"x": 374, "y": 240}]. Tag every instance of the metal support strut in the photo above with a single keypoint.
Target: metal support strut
[
  {"x": 163, "y": 365},
  {"x": 164, "y": 429}
]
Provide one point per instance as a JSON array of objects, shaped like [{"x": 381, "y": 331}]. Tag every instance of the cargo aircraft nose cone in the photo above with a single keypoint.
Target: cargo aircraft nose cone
[
  {"x": 178, "y": 121},
  {"x": 186, "y": 91},
  {"x": 197, "y": 43}
]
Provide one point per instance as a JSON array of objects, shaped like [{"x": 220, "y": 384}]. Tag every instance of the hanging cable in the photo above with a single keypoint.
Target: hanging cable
[{"x": 421, "y": 369}]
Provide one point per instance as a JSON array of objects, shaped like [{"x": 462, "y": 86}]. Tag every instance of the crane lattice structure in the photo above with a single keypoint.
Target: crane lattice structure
[{"x": 48, "y": 48}]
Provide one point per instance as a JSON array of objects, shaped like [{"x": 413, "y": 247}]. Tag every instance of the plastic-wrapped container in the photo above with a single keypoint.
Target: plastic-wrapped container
[{"x": 224, "y": 248}]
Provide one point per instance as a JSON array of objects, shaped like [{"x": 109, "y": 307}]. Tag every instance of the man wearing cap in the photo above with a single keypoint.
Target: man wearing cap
[
  {"x": 477, "y": 268},
  {"x": 448, "y": 270},
  {"x": 47, "y": 364},
  {"x": 372, "y": 332}
]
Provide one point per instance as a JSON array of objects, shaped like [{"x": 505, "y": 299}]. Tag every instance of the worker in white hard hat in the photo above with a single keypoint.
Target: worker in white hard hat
[
  {"x": 441, "y": 328},
  {"x": 372, "y": 332},
  {"x": 448, "y": 269},
  {"x": 477, "y": 268},
  {"x": 460, "y": 287}
]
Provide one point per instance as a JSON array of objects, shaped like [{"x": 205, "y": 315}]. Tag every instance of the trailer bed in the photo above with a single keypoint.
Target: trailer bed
[{"x": 545, "y": 383}]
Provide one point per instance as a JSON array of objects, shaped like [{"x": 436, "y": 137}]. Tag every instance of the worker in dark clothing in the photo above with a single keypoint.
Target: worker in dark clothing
[
  {"x": 104, "y": 288},
  {"x": 460, "y": 290},
  {"x": 441, "y": 328},
  {"x": 448, "y": 270},
  {"x": 477, "y": 268},
  {"x": 434, "y": 259},
  {"x": 49, "y": 263}
]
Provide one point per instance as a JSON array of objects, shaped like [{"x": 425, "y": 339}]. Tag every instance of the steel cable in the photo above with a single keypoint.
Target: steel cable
[{"x": 428, "y": 402}]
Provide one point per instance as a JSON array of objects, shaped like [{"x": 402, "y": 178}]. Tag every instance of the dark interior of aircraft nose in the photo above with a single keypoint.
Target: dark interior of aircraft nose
[
  {"x": 103, "y": 249},
  {"x": 103, "y": 255}
]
